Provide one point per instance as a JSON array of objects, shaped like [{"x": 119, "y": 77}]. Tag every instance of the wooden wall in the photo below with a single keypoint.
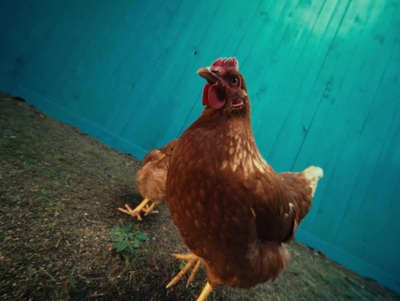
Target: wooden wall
[{"x": 323, "y": 78}]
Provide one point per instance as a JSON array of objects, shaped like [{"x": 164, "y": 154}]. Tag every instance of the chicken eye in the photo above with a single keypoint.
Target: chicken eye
[{"x": 234, "y": 81}]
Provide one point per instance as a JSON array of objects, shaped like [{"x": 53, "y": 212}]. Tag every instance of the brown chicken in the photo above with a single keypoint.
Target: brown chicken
[
  {"x": 151, "y": 179},
  {"x": 232, "y": 209}
]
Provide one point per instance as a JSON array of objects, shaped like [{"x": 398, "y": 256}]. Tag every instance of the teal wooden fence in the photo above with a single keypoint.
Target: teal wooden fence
[{"x": 323, "y": 77}]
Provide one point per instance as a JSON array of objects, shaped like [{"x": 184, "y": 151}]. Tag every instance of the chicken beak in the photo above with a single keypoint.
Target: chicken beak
[{"x": 206, "y": 73}]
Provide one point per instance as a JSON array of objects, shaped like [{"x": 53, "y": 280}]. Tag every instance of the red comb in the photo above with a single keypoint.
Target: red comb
[{"x": 223, "y": 63}]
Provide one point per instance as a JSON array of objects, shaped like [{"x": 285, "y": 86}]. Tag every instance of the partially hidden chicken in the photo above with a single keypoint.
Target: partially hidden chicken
[
  {"x": 151, "y": 178},
  {"x": 233, "y": 211}
]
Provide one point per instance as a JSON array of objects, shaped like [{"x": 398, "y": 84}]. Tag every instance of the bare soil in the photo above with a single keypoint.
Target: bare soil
[{"x": 59, "y": 194}]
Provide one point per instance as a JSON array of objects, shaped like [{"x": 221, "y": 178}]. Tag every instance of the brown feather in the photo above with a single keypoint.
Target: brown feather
[{"x": 152, "y": 176}]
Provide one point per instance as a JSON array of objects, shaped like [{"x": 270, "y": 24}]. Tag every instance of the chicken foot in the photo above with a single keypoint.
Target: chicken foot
[
  {"x": 142, "y": 207},
  {"x": 193, "y": 261}
]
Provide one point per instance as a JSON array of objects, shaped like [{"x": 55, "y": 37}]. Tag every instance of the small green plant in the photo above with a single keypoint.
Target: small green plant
[{"x": 126, "y": 241}]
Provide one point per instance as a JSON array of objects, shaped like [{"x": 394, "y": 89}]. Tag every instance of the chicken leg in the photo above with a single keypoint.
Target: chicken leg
[
  {"x": 205, "y": 292},
  {"x": 193, "y": 261},
  {"x": 142, "y": 207}
]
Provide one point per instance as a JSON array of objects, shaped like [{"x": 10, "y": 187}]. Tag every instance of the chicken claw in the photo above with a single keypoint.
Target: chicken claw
[
  {"x": 142, "y": 207},
  {"x": 193, "y": 261}
]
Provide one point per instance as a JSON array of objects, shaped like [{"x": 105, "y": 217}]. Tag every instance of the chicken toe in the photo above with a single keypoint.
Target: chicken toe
[
  {"x": 193, "y": 262},
  {"x": 149, "y": 208}
]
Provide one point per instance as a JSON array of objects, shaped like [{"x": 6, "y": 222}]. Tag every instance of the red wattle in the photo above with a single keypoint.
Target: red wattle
[
  {"x": 214, "y": 98},
  {"x": 205, "y": 101}
]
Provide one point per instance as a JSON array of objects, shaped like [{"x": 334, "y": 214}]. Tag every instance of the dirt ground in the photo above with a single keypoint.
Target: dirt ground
[{"x": 59, "y": 194}]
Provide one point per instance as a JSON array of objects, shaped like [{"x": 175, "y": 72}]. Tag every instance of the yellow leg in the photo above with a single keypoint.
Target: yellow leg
[
  {"x": 205, "y": 292},
  {"x": 143, "y": 206},
  {"x": 193, "y": 260}
]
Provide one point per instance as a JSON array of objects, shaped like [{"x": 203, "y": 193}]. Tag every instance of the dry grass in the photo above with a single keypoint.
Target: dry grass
[{"x": 59, "y": 194}]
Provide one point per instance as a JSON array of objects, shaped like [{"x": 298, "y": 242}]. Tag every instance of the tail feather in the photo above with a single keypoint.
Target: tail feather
[
  {"x": 268, "y": 261},
  {"x": 313, "y": 174}
]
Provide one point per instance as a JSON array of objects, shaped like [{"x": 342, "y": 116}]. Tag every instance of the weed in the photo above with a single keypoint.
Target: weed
[{"x": 126, "y": 241}]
